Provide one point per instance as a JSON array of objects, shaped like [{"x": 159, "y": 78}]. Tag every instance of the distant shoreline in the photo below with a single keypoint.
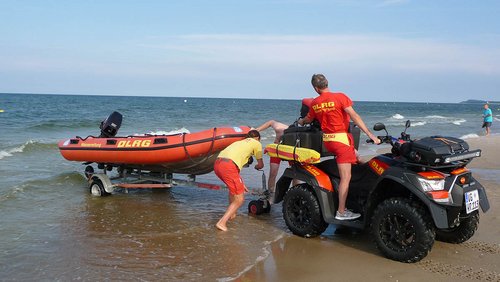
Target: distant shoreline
[
  {"x": 470, "y": 101},
  {"x": 244, "y": 98}
]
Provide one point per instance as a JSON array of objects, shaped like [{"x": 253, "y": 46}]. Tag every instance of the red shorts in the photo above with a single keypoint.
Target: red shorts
[
  {"x": 344, "y": 154},
  {"x": 229, "y": 173},
  {"x": 274, "y": 160}
]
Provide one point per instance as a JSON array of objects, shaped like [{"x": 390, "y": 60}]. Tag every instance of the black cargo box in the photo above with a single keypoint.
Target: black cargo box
[
  {"x": 312, "y": 138},
  {"x": 433, "y": 150},
  {"x": 304, "y": 137}
]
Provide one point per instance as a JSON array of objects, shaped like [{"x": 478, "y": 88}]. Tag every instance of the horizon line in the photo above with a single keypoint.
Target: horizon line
[{"x": 476, "y": 101}]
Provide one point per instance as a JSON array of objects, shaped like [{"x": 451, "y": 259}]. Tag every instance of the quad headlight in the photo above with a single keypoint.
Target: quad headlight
[{"x": 431, "y": 184}]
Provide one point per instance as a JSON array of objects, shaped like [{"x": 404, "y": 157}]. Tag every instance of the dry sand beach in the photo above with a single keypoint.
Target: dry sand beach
[{"x": 348, "y": 256}]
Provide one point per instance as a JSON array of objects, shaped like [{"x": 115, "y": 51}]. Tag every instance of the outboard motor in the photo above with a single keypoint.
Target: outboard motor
[{"x": 109, "y": 127}]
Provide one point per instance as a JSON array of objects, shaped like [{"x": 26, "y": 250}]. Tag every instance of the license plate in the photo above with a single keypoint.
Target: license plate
[{"x": 471, "y": 201}]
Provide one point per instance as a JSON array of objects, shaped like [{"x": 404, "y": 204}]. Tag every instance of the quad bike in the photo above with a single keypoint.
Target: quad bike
[{"x": 418, "y": 193}]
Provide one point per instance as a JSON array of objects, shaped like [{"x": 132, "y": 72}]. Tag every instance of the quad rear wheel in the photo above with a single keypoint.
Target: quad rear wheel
[
  {"x": 302, "y": 212},
  {"x": 402, "y": 230}
]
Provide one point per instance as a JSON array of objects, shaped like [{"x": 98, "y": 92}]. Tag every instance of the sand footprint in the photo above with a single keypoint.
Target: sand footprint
[{"x": 461, "y": 271}]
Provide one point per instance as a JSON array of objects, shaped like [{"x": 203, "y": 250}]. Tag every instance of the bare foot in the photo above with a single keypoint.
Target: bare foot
[
  {"x": 220, "y": 226},
  {"x": 233, "y": 217}
]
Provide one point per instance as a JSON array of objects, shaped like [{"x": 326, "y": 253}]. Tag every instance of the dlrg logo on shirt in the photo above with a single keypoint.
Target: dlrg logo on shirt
[{"x": 324, "y": 106}]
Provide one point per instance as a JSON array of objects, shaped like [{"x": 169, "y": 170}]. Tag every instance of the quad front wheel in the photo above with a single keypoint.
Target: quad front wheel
[
  {"x": 302, "y": 212},
  {"x": 461, "y": 233},
  {"x": 402, "y": 230}
]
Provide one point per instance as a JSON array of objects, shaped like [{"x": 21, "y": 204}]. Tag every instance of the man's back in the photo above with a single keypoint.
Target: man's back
[
  {"x": 328, "y": 109},
  {"x": 240, "y": 151}
]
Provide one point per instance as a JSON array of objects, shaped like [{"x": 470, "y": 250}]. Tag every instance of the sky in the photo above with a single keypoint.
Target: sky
[{"x": 372, "y": 50}]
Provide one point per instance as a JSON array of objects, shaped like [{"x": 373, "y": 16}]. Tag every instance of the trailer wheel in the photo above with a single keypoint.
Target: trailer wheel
[
  {"x": 256, "y": 207},
  {"x": 89, "y": 170},
  {"x": 96, "y": 188},
  {"x": 267, "y": 207}
]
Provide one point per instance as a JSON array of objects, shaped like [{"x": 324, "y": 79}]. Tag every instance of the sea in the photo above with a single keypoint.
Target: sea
[{"x": 52, "y": 229}]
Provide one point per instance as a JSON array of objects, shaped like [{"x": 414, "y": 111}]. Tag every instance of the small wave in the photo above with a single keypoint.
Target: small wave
[
  {"x": 459, "y": 122},
  {"x": 57, "y": 124},
  {"x": 63, "y": 180},
  {"x": 266, "y": 254},
  {"x": 434, "y": 116},
  {"x": 397, "y": 116},
  {"x": 497, "y": 119},
  {"x": 29, "y": 146},
  {"x": 418, "y": 123},
  {"x": 469, "y": 136},
  {"x": 12, "y": 193},
  {"x": 8, "y": 153}
]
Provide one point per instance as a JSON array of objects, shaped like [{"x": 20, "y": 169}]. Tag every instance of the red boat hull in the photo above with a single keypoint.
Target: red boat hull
[{"x": 190, "y": 153}]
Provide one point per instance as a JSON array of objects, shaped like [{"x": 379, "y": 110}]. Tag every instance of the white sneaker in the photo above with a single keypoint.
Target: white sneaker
[{"x": 347, "y": 215}]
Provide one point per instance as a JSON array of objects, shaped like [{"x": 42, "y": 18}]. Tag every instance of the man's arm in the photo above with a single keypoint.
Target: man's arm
[
  {"x": 359, "y": 122},
  {"x": 260, "y": 164},
  {"x": 265, "y": 125},
  {"x": 305, "y": 120},
  {"x": 257, "y": 152}
]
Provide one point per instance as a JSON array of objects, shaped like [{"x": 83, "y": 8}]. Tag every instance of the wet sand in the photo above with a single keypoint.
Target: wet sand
[{"x": 347, "y": 256}]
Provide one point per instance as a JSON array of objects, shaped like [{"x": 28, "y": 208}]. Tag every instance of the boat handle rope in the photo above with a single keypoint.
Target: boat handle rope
[
  {"x": 206, "y": 156},
  {"x": 83, "y": 139},
  {"x": 295, "y": 148}
]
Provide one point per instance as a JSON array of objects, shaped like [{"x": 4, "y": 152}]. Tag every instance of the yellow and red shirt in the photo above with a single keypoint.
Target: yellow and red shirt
[
  {"x": 240, "y": 151},
  {"x": 328, "y": 109}
]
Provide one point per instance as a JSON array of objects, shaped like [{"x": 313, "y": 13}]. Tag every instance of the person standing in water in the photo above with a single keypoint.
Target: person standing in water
[
  {"x": 274, "y": 163},
  {"x": 227, "y": 167},
  {"x": 487, "y": 119}
]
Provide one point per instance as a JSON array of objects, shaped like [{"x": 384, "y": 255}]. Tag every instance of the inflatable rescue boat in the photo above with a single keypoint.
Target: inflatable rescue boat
[{"x": 186, "y": 153}]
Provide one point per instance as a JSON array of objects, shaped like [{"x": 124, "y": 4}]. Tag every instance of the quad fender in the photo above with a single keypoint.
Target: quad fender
[
  {"x": 290, "y": 173},
  {"x": 438, "y": 213},
  {"x": 108, "y": 186},
  {"x": 314, "y": 177},
  {"x": 483, "y": 199}
]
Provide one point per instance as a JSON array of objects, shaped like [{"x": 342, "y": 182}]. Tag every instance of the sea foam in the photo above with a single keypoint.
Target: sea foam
[
  {"x": 469, "y": 136},
  {"x": 20, "y": 149},
  {"x": 397, "y": 116},
  {"x": 419, "y": 123},
  {"x": 459, "y": 121}
]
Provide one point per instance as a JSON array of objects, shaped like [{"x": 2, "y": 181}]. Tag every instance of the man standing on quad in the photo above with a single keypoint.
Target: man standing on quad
[{"x": 334, "y": 112}]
